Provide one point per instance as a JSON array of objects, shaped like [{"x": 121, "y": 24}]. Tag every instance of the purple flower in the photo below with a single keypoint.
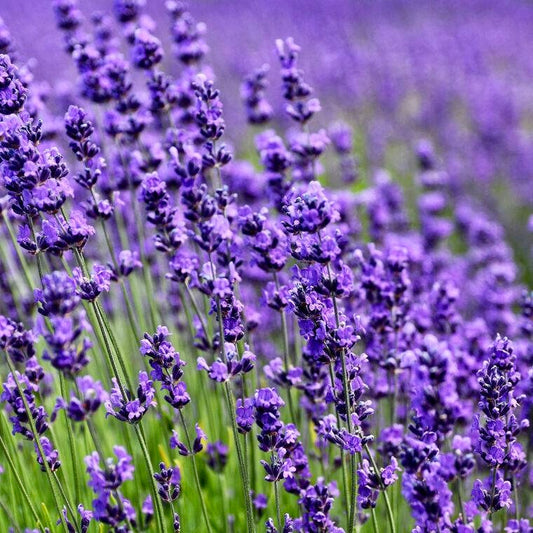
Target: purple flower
[
  {"x": 90, "y": 288},
  {"x": 169, "y": 482},
  {"x": 196, "y": 447},
  {"x": 258, "y": 110},
  {"x": 90, "y": 395},
  {"x": 496, "y": 427},
  {"x": 492, "y": 500},
  {"x": 12, "y": 91},
  {"x": 308, "y": 212},
  {"x": 128, "y": 408},
  {"x": 147, "y": 51},
  {"x": 58, "y": 295},
  {"x": 222, "y": 372},
  {"x": 106, "y": 482},
  {"x": 128, "y": 261},
  {"x": 49, "y": 454},
  {"x": 217, "y": 455},
  {"x": 167, "y": 366},
  {"x": 245, "y": 414},
  {"x": 113, "y": 475}
]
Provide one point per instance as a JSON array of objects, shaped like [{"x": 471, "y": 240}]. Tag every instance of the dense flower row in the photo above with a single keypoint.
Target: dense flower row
[{"x": 347, "y": 360}]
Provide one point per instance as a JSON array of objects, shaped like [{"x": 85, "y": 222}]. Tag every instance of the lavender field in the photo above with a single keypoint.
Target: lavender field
[{"x": 266, "y": 266}]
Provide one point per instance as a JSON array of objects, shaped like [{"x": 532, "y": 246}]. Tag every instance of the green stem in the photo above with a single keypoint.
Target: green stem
[
  {"x": 111, "y": 250},
  {"x": 10, "y": 517},
  {"x": 286, "y": 349},
  {"x": 46, "y": 466},
  {"x": 278, "y": 507},
  {"x": 196, "y": 309},
  {"x": 109, "y": 353},
  {"x": 492, "y": 492},
  {"x": 343, "y": 455},
  {"x": 242, "y": 464},
  {"x": 107, "y": 329},
  {"x": 516, "y": 502},
  {"x": 25, "y": 267},
  {"x": 196, "y": 476},
  {"x": 223, "y": 493},
  {"x": 390, "y": 514},
  {"x": 145, "y": 270},
  {"x": 73, "y": 452},
  {"x": 38, "y": 254},
  {"x": 352, "y": 512},
  {"x": 231, "y": 408},
  {"x": 64, "y": 496},
  {"x": 12, "y": 282},
  {"x": 19, "y": 481},
  {"x": 460, "y": 499},
  {"x": 129, "y": 310},
  {"x": 155, "y": 496},
  {"x": 96, "y": 440},
  {"x": 374, "y": 520}
]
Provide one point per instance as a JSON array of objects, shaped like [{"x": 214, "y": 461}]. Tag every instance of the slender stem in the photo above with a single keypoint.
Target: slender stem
[
  {"x": 129, "y": 310},
  {"x": 10, "y": 516},
  {"x": 25, "y": 268},
  {"x": 155, "y": 495},
  {"x": 196, "y": 476},
  {"x": 286, "y": 359},
  {"x": 374, "y": 520},
  {"x": 64, "y": 496},
  {"x": 390, "y": 514},
  {"x": 516, "y": 501},
  {"x": 145, "y": 271},
  {"x": 38, "y": 254},
  {"x": 231, "y": 408},
  {"x": 12, "y": 281},
  {"x": 460, "y": 499},
  {"x": 100, "y": 341},
  {"x": 196, "y": 309},
  {"x": 118, "y": 353},
  {"x": 343, "y": 455},
  {"x": 109, "y": 353},
  {"x": 493, "y": 491},
  {"x": 19, "y": 480},
  {"x": 38, "y": 443},
  {"x": 96, "y": 440},
  {"x": 112, "y": 253},
  {"x": 223, "y": 493},
  {"x": 251, "y": 436},
  {"x": 394, "y": 397},
  {"x": 73, "y": 452},
  {"x": 242, "y": 463},
  {"x": 278, "y": 507},
  {"x": 352, "y": 512}
]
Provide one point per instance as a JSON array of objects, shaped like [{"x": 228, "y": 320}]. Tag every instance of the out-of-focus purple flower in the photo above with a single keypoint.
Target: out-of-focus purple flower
[
  {"x": 87, "y": 399},
  {"x": 217, "y": 455},
  {"x": 258, "y": 110},
  {"x": 58, "y": 295},
  {"x": 147, "y": 50}
]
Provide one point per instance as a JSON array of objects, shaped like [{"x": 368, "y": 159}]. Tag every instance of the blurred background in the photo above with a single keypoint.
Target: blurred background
[{"x": 456, "y": 72}]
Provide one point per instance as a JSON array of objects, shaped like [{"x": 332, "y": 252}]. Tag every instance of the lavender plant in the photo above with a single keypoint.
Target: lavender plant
[{"x": 347, "y": 354}]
